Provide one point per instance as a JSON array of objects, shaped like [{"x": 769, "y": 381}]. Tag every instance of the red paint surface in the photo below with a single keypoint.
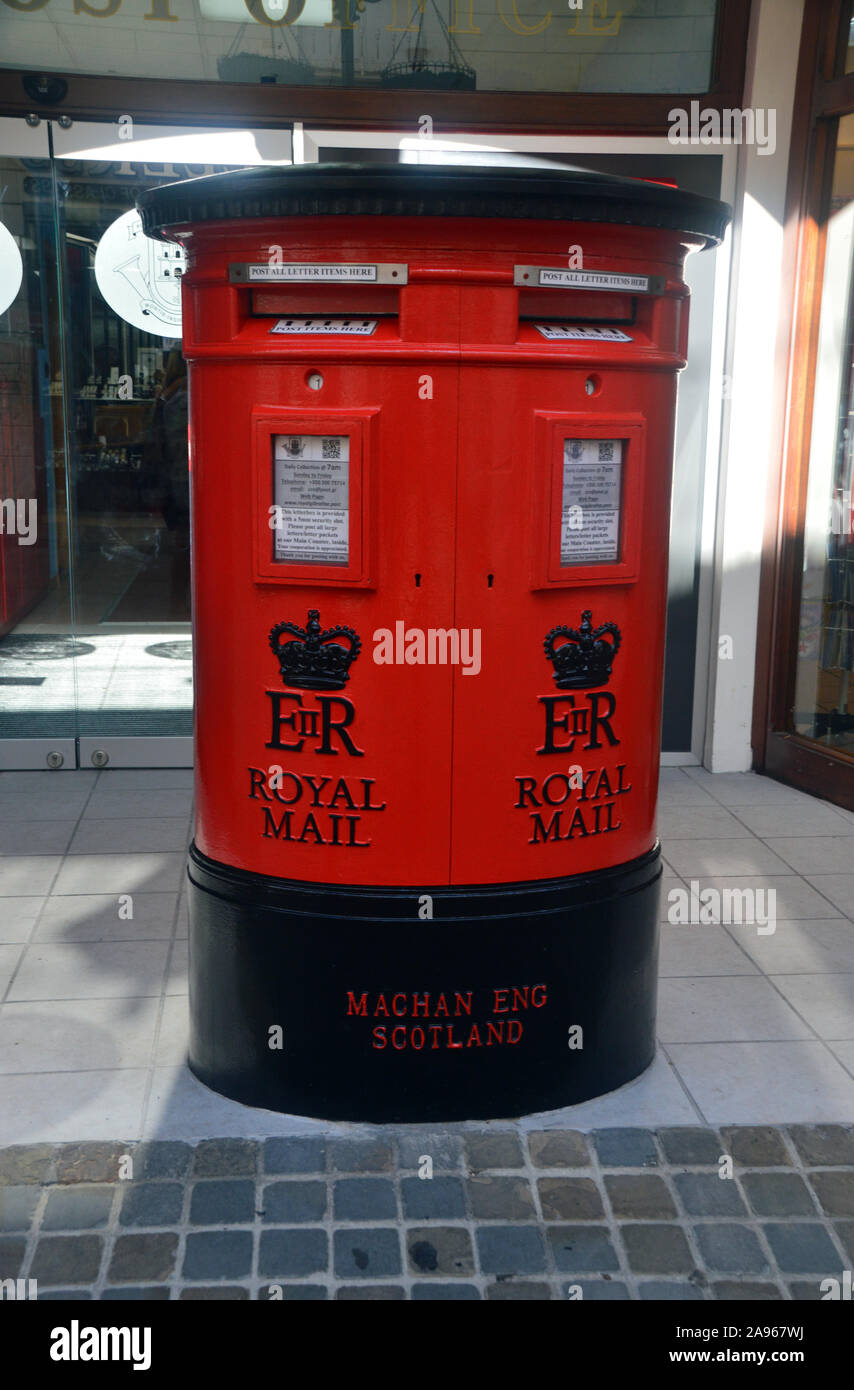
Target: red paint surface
[{"x": 456, "y": 488}]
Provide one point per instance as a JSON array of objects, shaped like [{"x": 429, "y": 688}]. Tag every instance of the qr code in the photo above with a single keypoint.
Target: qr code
[
  {"x": 332, "y": 448},
  {"x": 606, "y": 451}
]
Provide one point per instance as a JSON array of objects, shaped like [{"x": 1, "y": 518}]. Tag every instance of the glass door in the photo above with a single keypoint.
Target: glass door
[
  {"x": 97, "y": 645},
  {"x": 823, "y": 704},
  {"x": 803, "y": 725},
  {"x": 38, "y": 646}
]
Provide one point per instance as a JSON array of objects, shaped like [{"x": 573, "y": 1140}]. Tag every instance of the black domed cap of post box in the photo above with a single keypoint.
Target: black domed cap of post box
[{"x": 511, "y": 186}]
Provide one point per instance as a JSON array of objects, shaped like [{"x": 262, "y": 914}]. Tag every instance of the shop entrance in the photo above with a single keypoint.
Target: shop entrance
[{"x": 95, "y": 643}]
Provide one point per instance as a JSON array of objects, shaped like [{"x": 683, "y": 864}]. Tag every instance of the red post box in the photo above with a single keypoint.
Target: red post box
[{"x": 432, "y": 417}]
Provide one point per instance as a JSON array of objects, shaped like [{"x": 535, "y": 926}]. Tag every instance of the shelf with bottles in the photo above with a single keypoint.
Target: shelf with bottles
[
  {"x": 109, "y": 459},
  {"x": 140, "y": 385}
]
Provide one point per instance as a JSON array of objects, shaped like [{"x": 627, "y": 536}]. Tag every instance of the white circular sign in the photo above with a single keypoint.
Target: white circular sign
[
  {"x": 11, "y": 268},
  {"x": 140, "y": 278}
]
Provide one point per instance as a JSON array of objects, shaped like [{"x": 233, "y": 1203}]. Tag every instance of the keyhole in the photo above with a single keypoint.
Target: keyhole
[
  {"x": 418, "y": 581},
  {"x": 489, "y": 579}
]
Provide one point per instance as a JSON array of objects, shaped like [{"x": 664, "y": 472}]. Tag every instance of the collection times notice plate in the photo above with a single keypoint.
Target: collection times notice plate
[
  {"x": 311, "y": 493},
  {"x": 592, "y": 484}
]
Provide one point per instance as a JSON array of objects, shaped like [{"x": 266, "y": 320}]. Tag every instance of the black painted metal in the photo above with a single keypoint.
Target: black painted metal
[
  {"x": 500, "y": 186},
  {"x": 268, "y": 953}
]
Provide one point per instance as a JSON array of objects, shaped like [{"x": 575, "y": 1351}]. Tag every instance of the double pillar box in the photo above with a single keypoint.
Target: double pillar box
[{"x": 431, "y": 417}]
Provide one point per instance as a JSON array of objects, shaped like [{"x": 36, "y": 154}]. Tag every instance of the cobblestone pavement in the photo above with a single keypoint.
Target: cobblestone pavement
[{"x": 614, "y": 1214}]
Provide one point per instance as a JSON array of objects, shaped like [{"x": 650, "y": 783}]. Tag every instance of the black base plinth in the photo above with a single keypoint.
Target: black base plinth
[{"x": 346, "y": 1004}]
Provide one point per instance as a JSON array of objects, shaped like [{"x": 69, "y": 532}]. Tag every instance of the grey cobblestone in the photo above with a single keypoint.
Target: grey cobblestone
[
  {"x": 373, "y": 1293},
  {"x": 294, "y": 1293},
  {"x": 845, "y": 1235},
  {"x": 706, "y": 1194},
  {"x": 743, "y": 1291},
  {"x": 230, "y": 1293},
  {"x": 596, "y": 1291},
  {"x": 25, "y": 1163},
  {"x": 434, "y": 1198},
  {"x": 212, "y": 1254},
  {"x": 511, "y": 1291},
  {"x": 225, "y": 1158},
  {"x": 693, "y": 1147},
  {"x": 287, "y": 1202},
  {"x": 489, "y": 1151},
  {"x": 362, "y": 1156},
  {"x": 445, "y": 1151},
  {"x": 463, "y": 1293},
  {"x": 143, "y": 1257},
  {"x": 289, "y": 1254},
  {"x": 570, "y": 1199},
  {"x": 12, "y": 1252},
  {"x": 511, "y": 1250},
  {"x": 93, "y": 1162},
  {"x": 164, "y": 1158},
  {"x": 778, "y": 1194},
  {"x": 582, "y": 1249},
  {"x": 368, "y": 1254},
  {"x": 643, "y": 1196},
  {"x": 302, "y": 1155},
  {"x": 497, "y": 1214},
  {"x": 670, "y": 1290},
  {"x": 824, "y": 1146},
  {"x": 755, "y": 1146},
  {"x": 17, "y": 1207},
  {"x": 625, "y": 1148},
  {"x": 803, "y": 1248},
  {"x": 501, "y": 1198},
  {"x": 435, "y": 1250},
  {"x": 365, "y": 1199},
  {"x": 657, "y": 1249},
  {"x": 835, "y": 1191},
  {"x": 78, "y": 1208},
  {"x": 558, "y": 1149},
  {"x": 151, "y": 1204},
  {"x": 805, "y": 1292},
  {"x": 730, "y": 1249},
  {"x": 63, "y": 1295},
  {"x": 154, "y": 1293},
  {"x": 229, "y": 1202},
  {"x": 67, "y": 1259}
]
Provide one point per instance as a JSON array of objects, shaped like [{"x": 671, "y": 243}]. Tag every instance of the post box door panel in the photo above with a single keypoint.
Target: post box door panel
[
  {"x": 324, "y": 743},
  {"x": 561, "y": 565}
]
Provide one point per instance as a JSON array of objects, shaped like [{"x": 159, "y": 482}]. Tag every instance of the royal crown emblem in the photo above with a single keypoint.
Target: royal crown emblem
[
  {"x": 586, "y": 655},
  {"x": 313, "y": 658}
]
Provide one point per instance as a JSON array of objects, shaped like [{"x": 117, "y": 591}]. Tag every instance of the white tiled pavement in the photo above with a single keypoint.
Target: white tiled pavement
[
  {"x": 753, "y": 1029},
  {"x": 110, "y": 672}
]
